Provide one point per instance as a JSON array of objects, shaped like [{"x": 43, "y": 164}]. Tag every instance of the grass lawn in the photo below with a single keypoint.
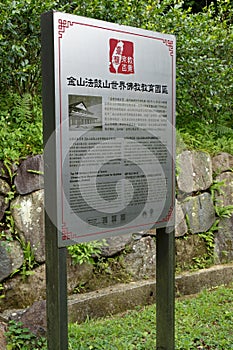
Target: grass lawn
[{"x": 204, "y": 321}]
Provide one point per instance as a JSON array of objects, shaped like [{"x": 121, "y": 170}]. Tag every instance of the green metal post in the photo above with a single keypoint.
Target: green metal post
[
  {"x": 56, "y": 301},
  {"x": 56, "y": 274},
  {"x": 165, "y": 289}
]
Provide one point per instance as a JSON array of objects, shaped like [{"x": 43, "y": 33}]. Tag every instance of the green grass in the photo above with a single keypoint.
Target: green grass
[{"x": 202, "y": 322}]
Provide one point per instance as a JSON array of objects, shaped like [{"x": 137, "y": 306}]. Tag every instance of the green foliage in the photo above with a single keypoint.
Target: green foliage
[
  {"x": 2, "y": 295},
  {"x": 20, "y": 44},
  {"x": 204, "y": 260},
  {"x": 216, "y": 188},
  {"x": 29, "y": 261},
  {"x": 204, "y": 66},
  {"x": 9, "y": 222},
  {"x": 80, "y": 288},
  {"x": 5, "y": 236},
  {"x": 224, "y": 211},
  {"x": 112, "y": 269},
  {"x": 201, "y": 262},
  {"x": 20, "y": 126},
  {"x": 204, "y": 79},
  {"x": 29, "y": 258},
  {"x": 10, "y": 195},
  {"x": 203, "y": 322},
  {"x": 37, "y": 172},
  {"x": 204, "y": 138},
  {"x": 19, "y": 338},
  {"x": 208, "y": 237},
  {"x": 221, "y": 211},
  {"x": 85, "y": 252}
]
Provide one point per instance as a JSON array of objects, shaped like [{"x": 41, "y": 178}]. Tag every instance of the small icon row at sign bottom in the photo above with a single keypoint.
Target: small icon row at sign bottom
[
  {"x": 113, "y": 218},
  {"x": 108, "y": 220}
]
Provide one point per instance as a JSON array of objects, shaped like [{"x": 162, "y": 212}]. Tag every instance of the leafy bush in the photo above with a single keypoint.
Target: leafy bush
[
  {"x": 19, "y": 338},
  {"x": 20, "y": 126},
  {"x": 204, "y": 66},
  {"x": 204, "y": 74},
  {"x": 20, "y": 44},
  {"x": 85, "y": 252}
]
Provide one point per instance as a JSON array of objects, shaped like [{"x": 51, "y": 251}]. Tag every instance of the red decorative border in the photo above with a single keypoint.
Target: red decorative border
[
  {"x": 169, "y": 44},
  {"x": 66, "y": 234},
  {"x": 62, "y": 25},
  {"x": 169, "y": 214}
]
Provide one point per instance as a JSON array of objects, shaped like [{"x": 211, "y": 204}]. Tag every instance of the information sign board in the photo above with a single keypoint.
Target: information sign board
[{"x": 114, "y": 129}]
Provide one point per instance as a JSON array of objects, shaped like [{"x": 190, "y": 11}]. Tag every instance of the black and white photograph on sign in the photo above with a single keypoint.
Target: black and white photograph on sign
[{"x": 85, "y": 112}]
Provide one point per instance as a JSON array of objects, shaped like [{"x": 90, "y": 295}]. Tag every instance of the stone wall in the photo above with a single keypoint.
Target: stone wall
[{"x": 124, "y": 258}]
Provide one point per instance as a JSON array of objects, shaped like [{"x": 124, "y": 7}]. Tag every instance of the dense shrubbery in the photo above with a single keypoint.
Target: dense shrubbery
[
  {"x": 204, "y": 66},
  {"x": 20, "y": 126}
]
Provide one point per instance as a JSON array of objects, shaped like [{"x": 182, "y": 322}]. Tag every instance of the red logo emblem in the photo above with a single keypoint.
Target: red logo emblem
[{"x": 121, "y": 56}]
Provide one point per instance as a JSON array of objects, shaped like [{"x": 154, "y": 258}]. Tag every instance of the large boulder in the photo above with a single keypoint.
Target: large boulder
[
  {"x": 225, "y": 195},
  {"x": 3, "y": 206},
  {"x": 3, "y": 330},
  {"x": 34, "y": 318},
  {"x": 29, "y": 176},
  {"x": 224, "y": 236},
  {"x": 4, "y": 187},
  {"x": 77, "y": 275},
  {"x": 3, "y": 170},
  {"x": 189, "y": 249},
  {"x": 4, "y": 190},
  {"x": 140, "y": 262},
  {"x": 222, "y": 162},
  {"x": 7, "y": 172},
  {"x": 21, "y": 292},
  {"x": 11, "y": 258},
  {"x": 194, "y": 171},
  {"x": 200, "y": 212},
  {"x": 223, "y": 240},
  {"x": 27, "y": 212},
  {"x": 180, "y": 224},
  {"x": 115, "y": 245}
]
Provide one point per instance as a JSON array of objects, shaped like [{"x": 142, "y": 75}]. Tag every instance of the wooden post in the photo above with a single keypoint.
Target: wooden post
[
  {"x": 56, "y": 301},
  {"x": 165, "y": 289},
  {"x": 56, "y": 274}
]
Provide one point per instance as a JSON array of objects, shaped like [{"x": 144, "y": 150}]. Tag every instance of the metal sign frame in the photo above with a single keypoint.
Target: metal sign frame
[{"x": 56, "y": 274}]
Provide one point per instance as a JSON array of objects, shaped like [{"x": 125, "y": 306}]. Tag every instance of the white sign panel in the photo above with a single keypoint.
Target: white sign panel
[{"x": 115, "y": 116}]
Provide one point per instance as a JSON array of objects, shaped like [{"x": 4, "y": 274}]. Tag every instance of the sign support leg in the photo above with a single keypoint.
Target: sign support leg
[
  {"x": 165, "y": 289},
  {"x": 56, "y": 303},
  {"x": 56, "y": 268}
]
